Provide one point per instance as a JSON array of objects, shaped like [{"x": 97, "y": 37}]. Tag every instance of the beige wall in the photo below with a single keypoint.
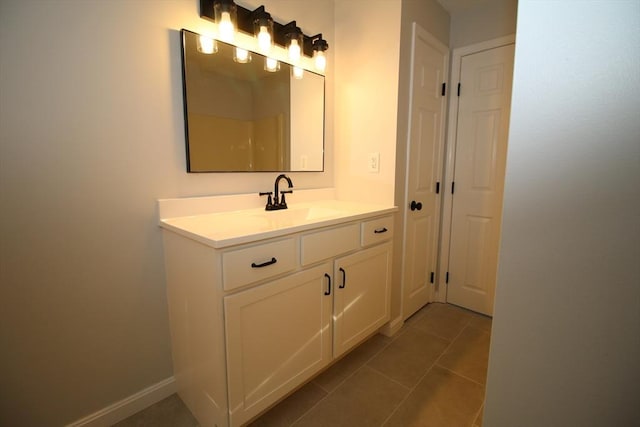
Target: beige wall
[
  {"x": 485, "y": 20},
  {"x": 91, "y": 133},
  {"x": 565, "y": 343},
  {"x": 431, "y": 16},
  {"x": 366, "y": 54}
]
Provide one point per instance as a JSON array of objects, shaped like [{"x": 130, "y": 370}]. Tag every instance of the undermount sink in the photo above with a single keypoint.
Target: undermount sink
[
  {"x": 261, "y": 220},
  {"x": 224, "y": 229},
  {"x": 295, "y": 214}
]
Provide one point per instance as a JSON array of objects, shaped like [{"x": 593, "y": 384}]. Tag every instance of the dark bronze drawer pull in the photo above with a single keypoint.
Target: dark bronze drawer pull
[
  {"x": 264, "y": 264},
  {"x": 380, "y": 230},
  {"x": 344, "y": 278},
  {"x": 328, "y": 291}
]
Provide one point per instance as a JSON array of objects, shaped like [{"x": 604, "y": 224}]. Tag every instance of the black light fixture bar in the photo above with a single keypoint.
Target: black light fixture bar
[{"x": 245, "y": 24}]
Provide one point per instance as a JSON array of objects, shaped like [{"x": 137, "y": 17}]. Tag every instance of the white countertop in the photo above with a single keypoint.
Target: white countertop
[{"x": 223, "y": 229}]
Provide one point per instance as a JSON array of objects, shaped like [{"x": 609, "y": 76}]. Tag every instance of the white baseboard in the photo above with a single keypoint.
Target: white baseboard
[
  {"x": 128, "y": 406},
  {"x": 391, "y": 328}
]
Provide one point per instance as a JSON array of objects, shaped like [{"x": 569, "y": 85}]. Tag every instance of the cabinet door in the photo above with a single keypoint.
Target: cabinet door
[
  {"x": 278, "y": 336},
  {"x": 361, "y": 300}
]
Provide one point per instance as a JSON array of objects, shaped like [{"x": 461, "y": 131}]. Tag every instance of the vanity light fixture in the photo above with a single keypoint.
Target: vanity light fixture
[
  {"x": 319, "y": 45},
  {"x": 206, "y": 45},
  {"x": 271, "y": 65},
  {"x": 263, "y": 29},
  {"x": 225, "y": 15},
  {"x": 294, "y": 41},
  {"x": 297, "y": 72},
  {"x": 241, "y": 56},
  {"x": 230, "y": 18}
]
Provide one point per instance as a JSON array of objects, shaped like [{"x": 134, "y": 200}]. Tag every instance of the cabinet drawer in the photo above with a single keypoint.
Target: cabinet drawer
[
  {"x": 329, "y": 243},
  {"x": 255, "y": 263},
  {"x": 377, "y": 230}
]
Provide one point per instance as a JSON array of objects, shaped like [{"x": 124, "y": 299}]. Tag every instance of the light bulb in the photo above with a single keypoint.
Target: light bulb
[
  {"x": 225, "y": 27},
  {"x": 241, "y": 55},
  {"x": 297, "y": 72},
  {"x": 264, "y": 39},
  {"x": 207, "y": 45},
  {"x": 320, "y": 61},
  {"x": 271, "y": 64},
  {"x": 294, "y": 50}
]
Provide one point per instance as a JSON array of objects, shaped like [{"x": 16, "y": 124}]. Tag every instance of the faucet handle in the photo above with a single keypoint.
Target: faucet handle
[
  {"x": 283, "y": 202},
  {"x": 269, "y": 201}
]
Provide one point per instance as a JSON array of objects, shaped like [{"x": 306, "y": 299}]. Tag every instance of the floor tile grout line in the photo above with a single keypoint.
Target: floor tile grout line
[
  {"x": 354, "y": 372},
  {"x": 461, "y": 376},
  {"x": 473, "y": 423},
  {"x": 341, "y": 382},
  {"x": 431, "y": 333},
  {"x": 425, "y": 374},
  {"x": 468, "y": 314},
  {"x": 411, "y": 390},
  {"x": 466, "y": 324},
  {"x": 309, "y": 410},
  {"x": 437, "y": 362},
  {"x": 478, "y": 328},
  {"x": 389, "y": 378},
  {"x": 365, "y": 363}
]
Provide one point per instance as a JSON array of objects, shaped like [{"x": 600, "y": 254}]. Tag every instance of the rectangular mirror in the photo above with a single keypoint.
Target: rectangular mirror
[{"x": 241, "y": 118}]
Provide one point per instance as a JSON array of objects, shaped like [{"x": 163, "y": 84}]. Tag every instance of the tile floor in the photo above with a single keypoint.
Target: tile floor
[{"x": 431, "y": 373}]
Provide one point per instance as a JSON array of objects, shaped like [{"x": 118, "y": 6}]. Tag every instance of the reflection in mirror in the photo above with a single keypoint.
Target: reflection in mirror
[{"x": 241, "y": 118}]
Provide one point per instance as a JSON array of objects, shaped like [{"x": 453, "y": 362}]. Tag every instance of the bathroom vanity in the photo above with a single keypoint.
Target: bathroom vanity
[{"x": 260, "y": 302}]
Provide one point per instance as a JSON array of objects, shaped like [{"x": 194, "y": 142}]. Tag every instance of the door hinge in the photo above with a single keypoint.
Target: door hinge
[
  {"x": 438, "y": 187},
  {"x": 458, "y": 89},
  {"x": 453, "y": 186},
  {"x": 446, "y": 278},
  {"x": 444, "y": 88},
  {"x": 432, "y": 277}
]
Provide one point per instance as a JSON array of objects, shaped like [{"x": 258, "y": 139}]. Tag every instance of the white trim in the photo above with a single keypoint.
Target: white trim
[
  {"x": 128, "y": 406},
  {"x": 391, "y": 328},
  {"x": 452, "y": 128}
]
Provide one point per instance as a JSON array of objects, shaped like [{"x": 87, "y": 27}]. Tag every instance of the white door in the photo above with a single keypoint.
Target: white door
[
  {"x": 430, "y": 59},
  {"x": 480, "y": 156}
]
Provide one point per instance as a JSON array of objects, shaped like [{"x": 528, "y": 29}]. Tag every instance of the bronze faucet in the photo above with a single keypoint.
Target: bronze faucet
[{"x": 278, "y": 201}]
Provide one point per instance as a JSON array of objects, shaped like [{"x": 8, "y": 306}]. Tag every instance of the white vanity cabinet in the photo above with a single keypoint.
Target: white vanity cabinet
[
  {"x": 252, "y": 322},
  {"x": 362, "y": 280}
]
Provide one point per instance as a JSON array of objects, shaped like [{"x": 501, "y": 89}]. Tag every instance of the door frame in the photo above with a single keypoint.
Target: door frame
[{"x": 450, "y": 152}]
